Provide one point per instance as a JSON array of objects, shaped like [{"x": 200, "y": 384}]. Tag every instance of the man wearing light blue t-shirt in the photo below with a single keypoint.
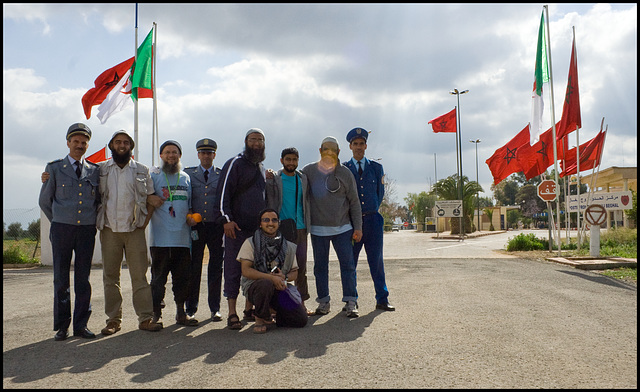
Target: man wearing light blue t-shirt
[{"x": 170, "y": 238}]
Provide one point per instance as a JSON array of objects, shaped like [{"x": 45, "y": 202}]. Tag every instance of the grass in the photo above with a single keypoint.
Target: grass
[
  {"x": 620, "y": 242},
  {"x": 19, "y": 252}
]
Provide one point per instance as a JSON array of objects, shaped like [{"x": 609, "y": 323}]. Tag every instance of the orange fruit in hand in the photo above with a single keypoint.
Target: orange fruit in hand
[{"x": 197, "y": 217}]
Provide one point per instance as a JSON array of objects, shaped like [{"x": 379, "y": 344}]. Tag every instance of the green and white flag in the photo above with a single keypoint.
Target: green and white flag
[{"x": 541, "y": 77}]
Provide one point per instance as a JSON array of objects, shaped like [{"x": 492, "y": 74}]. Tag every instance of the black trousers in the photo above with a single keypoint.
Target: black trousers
[
  {"x": 65, "y": 241},
  {"x": 263, "y": 295},
  {"x": 176, "y": 260},
  {"x": 209, "y": 235}
]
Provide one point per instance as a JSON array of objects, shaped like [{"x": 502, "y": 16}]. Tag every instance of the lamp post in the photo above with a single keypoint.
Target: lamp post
[
  {"x": 477, "y": 196},
  {"x": 459, "y": 139}
]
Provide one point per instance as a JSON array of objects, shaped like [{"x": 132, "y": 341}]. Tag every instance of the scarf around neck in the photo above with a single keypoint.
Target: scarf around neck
[{"x": 268, "y": 249}]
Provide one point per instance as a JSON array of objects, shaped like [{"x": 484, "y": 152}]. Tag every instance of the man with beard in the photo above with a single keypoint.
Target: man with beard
[
  {"x": 69, "y": 198},
  {"x": 336, "y": 217},
  {"x": 125, "y": 188},
  {"x": 171, "y": 233},
  {"x": 239, "y": 200}
]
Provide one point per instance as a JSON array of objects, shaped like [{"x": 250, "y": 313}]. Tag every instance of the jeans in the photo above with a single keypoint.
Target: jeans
[{"x": 344, "y": 250}]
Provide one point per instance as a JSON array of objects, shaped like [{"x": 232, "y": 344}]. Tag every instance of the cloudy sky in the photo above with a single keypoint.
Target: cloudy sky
[{"x": 302, "y": 72}]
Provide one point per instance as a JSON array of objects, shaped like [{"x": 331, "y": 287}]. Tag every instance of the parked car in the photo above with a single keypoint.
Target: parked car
[{"x": 395, "y": 228}]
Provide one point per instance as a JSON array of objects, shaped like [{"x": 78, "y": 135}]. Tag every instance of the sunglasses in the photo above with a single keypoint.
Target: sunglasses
[{"x": 267, "y": 220}]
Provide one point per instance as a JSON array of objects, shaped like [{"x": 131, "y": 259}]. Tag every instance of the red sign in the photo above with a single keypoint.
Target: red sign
[
  {"x": 406, "y": 224},
  {"x": 547, "y": 190},
  {"x": 595, "y": 214}
]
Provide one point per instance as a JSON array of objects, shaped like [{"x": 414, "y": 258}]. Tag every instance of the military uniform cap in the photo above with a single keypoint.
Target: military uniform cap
[
  {"x": 206, "y": 145},
  {"x": 78, "y": 129},
  {"x": 356, "y": 133}
]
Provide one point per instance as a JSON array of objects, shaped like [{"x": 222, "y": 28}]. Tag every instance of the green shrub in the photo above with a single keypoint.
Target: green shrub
[
  {"x": 14, "y": 255},
  {"x": 523, "y": 242}
]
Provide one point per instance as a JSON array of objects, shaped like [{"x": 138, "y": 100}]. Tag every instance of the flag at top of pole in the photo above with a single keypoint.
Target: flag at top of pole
[
  {"x": 141, "y": 77},
  {"x": 541, "y": 74}
]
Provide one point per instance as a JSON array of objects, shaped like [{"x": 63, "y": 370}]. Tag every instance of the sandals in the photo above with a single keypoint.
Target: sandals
[
  {"x": 248, "y": 315},
  {"x": 233, "y": 322}
]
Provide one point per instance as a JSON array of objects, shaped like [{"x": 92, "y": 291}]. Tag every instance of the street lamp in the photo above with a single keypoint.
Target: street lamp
[
  {"x": 458, "y": 140},
  {"x": 477, "y": 196}
]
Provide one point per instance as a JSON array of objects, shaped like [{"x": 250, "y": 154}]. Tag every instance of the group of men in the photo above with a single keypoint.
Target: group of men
[{"x": 205, "y": 206}]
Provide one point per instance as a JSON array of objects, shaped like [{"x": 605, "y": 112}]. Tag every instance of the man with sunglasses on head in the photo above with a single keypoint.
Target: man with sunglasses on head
[{"x": 336, "y": 217}]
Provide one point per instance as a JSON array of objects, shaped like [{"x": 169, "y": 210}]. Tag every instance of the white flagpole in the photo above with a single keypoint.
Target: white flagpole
[
  {"x": 135, "y": 101},
  {"x": 578, "y": 174},
  {"x": 553, "y": 126},
  {"x": 154, "y": 125}
]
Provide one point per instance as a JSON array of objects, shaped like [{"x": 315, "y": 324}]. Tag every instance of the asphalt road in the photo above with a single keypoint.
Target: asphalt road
[{"x": 467, "y": 317}]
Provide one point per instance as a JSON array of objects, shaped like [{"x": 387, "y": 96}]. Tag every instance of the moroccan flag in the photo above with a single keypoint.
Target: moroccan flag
[
  {"x": 103, "y": 85},
  {"x": 571, "y": 118},
  {"x": 503, "y": 162},
  {"x": 590, "y": 155},
  {"x": 541, "y": 74},
  {"x": 535, "y": 159},
  {"x": 444, "y": 123},
  {"x": 98, "y": 156},
  {"x": 141, "y": 77}
]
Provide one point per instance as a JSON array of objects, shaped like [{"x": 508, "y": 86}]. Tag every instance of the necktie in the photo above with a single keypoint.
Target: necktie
[
  {"x": 206, "y": 175},
  {"x": 359, "y": 168},
  {"x": 78, "y": 170}
]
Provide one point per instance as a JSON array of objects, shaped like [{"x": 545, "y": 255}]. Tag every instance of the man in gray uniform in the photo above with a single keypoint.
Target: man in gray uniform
[
  {"x": 204, "y": 182},
  {"x": 69, "y": 199}
]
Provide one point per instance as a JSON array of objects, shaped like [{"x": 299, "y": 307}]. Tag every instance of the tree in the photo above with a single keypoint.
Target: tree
[
  {"x": 489, "y": 213},
  {"x": 528, "y": 200},
  {"x": 14, "y": 230},
  {"x": 389, "y": 208},
  {"x": 447, "y": 189},
  {"x": 33, "y": 230},
  {"x": 417, "y": 204}
]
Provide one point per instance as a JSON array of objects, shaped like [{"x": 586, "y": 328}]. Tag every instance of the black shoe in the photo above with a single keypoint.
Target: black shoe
[
  {"x": 388, "y": 307},
  {"x": 216, "y": 316},
  {"x": 84, "y": 333},
  {"x": 62, "y": 334}
]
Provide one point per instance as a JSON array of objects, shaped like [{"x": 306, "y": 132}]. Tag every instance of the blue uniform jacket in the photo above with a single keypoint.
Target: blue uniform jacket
[
  {"x": 65, "y": 198},
  {"x": 370, "y": 185},
  {"x": 203, "y": 193}
]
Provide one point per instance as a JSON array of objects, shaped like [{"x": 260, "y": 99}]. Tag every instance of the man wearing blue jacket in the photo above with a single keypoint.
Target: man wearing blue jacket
[{"x": 369, "y": 177}]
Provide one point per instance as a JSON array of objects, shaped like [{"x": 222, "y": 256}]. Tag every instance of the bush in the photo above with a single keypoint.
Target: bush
[
  {"x": 526, "y": 242},
  {"x": 14, "y": 255}
]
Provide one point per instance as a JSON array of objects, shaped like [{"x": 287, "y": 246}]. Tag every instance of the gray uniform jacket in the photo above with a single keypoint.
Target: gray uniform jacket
[
  {"x": 274, "y": 194},
  {"x": 65, "y": 198},
  {"x": 142, "y": 178},
  {"x": 203, "y": 193}
]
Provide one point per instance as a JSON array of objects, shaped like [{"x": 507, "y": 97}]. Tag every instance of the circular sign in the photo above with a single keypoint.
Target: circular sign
[
  {"x": 547, "y": 190},
  {"x": 595, "y": 214},
  {"x": 406, "y": 224}
]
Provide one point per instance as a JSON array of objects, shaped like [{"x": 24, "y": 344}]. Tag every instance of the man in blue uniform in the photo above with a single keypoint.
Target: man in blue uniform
[
  {"x": 370, "y": 183},
  {"x": 204, "y": 182},
  {"x": 70, "y": 199}
]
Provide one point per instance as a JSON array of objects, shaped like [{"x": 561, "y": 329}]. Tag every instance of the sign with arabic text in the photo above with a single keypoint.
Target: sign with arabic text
[
  {"x": 448, "y": 208},
  {"x": 547, "y": 190},
  {"x": 609, "y": 200}
]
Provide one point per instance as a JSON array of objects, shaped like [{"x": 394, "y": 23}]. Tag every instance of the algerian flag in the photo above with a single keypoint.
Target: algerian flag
[
  {"x": 117, "y": 100},
  {"x": 541, "y": 77},
  {"x": 141, "y": 77}
]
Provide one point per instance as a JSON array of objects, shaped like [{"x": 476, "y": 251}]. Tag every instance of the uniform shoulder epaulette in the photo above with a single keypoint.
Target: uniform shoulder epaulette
[
  {"x": 189, "y": 167},
  {"x": 54, "y": 161}
]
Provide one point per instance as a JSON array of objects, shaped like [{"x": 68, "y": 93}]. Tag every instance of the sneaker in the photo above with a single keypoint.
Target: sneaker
[
  {"x": 323, "y": 308},
  {"x": 149, "y": 325},
  {"x": 111, "y": 328},
  {"x": 216, "y": 316},
  {"x": 344, "y": 308},
  {"x": 352, "y": 309}
]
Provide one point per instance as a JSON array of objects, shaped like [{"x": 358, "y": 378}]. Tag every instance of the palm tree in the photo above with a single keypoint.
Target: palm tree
[{"x": 447, "y": 189}]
